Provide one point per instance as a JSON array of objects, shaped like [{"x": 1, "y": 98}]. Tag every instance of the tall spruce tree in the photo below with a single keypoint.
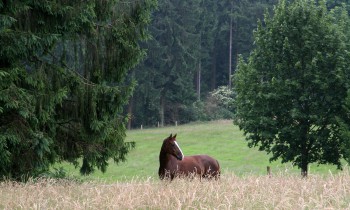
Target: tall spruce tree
[
  {"x": 240, "y": 17},
  {"x": 291, "y": 91},
  {"x": 62, "y": 88},
  {"x": 166, "y": 78},
  {"x": 207, "y": 29}
]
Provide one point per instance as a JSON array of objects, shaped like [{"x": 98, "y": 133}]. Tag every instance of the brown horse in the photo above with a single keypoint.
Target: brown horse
[{"x": 173, "y": 163}]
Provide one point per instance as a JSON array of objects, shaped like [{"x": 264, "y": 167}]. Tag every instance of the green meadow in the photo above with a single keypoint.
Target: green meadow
[{"x": 219, "y": 139}]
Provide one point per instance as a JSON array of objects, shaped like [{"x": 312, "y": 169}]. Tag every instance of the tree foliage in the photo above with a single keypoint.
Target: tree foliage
[
  {"x": 188, "y": 56},
  {"x": 291, "y": 90},
  {"x": 62, "y": 87},
  {"x": 166, "y": 78}
]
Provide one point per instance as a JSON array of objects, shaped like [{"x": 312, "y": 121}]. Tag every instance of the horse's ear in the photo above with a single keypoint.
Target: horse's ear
[
  {"x": 171, "y": 136},
  {"x": 174, "y": 136}
]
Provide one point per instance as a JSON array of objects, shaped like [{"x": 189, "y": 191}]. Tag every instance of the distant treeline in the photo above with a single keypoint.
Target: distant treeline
[{"x": 193, "y": 51}]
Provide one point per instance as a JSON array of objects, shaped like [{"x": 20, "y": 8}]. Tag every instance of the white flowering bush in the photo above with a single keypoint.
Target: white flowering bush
[
  {"x": 223, "y": 96},
  {"x": 218, "y": 105}
]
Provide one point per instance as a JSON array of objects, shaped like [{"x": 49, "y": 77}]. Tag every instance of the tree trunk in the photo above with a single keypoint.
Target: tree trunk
[
  {"x": 304, "y": 159},
  {"x": 230, "y": 53},
  {"x": 161, "y": 110},
  {"x": 304, "y": 149},
  {"x": 131, "y": 104},
  {"x": 130, "y": 112},
  {"x": 304, "y": 170},
  {"x": 199, "y": 81},
  {"x": 213, "y": 72}
]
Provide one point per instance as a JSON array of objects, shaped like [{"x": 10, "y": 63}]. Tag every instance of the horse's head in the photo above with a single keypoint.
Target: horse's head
[{"x": 170, "y": 146}]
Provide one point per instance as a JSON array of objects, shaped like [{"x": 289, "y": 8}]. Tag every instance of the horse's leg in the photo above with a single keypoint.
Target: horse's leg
[
  {"x": 199, "y": 173},
  {"x": 217, "y": 175}
]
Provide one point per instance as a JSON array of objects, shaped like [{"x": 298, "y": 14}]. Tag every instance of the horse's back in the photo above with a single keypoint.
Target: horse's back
[
  {"x": 211, "y": 165},
  {"x": 208, "y": 166}
]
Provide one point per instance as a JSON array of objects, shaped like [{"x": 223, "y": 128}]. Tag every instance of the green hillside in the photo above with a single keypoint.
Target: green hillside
[{"x": 220, "y": 139}]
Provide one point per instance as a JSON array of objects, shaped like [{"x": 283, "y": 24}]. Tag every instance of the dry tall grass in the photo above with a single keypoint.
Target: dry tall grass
[{"x": 230, "y": 192}]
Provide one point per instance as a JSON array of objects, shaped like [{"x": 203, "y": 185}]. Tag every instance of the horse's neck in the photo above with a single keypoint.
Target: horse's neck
[{"x": 164, "y": 158}]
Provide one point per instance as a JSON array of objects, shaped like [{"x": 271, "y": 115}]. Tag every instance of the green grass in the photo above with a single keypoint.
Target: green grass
[{"x": 219, "y": 139}]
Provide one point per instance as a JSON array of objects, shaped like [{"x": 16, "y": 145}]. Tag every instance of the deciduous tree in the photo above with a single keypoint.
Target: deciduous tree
[{"x": 292, "y": 88}]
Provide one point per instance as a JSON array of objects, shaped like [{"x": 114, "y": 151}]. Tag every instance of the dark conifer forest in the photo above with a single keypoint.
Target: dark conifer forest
[
  {"x": 191, "y": 57},
  {"x": 192, "y": 53}
]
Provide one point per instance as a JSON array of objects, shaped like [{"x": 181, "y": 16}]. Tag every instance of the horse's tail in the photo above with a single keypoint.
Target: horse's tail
[{"x": 219, "y": 171}]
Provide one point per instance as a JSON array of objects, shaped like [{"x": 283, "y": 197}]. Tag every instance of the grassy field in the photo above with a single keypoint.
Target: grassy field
[
  {"x": 135, "y": 184},
  {"x": 281, "y": 191},
  {"x": 220, "y": 139}
]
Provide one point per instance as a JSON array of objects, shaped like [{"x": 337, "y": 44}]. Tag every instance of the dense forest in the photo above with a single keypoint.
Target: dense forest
[
  {"x": 193, "y": 51},
  {"x": 192, "y": 54},
  {"x": 191, "y": 57}
]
